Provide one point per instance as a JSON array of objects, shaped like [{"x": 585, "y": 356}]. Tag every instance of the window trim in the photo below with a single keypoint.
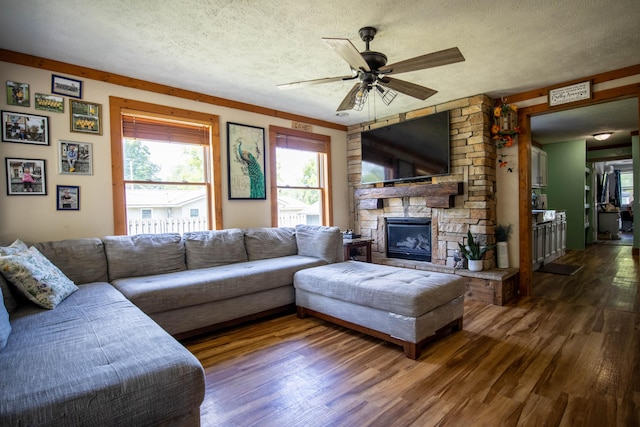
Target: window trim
[
  {"x": 315, "y": 142},
  {"x": 118, "y": 106}
]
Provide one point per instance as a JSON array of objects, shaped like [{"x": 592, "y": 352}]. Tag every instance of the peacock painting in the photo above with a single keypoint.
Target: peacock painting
[{"x": 246, "y": 168}]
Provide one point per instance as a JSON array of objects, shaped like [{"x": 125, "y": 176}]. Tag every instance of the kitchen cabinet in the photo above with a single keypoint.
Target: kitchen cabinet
[
  {"x": 549, "y": 240},
  {"x": 538, "y": 168}
]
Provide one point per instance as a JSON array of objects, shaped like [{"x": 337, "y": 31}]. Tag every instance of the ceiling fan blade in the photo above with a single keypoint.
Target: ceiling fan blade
[
  {"x": 315, "y": 82},
  {"x": 348, "y": 52},
  {"x": 349, "y": 101},
  {"x": 430, "y": 60},
  {"x": 407, "y": 88}
]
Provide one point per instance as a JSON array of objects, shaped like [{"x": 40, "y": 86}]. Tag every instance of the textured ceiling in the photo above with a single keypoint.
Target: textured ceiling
[{"x": 242, "y": 49}]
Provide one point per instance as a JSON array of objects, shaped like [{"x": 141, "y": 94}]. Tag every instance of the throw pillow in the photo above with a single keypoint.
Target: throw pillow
[
  {"x": 10, "y": 302},
  {"x": 17, "y": 246},
  {"x": 36, "y": 277},
  {"x": 5, "y": 326}
]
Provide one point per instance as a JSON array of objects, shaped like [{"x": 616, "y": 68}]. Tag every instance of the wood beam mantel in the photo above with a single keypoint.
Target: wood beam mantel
[{"x": 436, "y": 195}]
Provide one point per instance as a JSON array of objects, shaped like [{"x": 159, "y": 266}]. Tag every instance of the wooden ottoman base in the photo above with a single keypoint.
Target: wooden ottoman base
[{"x": 411, "y": 350}]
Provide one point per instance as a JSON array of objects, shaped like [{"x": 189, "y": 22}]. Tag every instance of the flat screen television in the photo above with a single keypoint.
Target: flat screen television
[{"x": 411, "y": 150}]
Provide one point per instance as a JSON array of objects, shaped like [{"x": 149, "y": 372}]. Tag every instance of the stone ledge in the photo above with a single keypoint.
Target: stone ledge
[{"x": 497, "y": 286}]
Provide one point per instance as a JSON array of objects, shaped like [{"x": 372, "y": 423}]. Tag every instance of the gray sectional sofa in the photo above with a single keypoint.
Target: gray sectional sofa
[{"x": 107, "y": 353}]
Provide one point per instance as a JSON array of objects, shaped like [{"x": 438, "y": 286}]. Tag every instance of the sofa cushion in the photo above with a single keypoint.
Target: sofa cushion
[
  {"x": 5, "y": 325},
  {"x": 95, "y": 360},
  {"x": 320, "y": 242},
  {"x": 211, "y": 248},
  {"x": 17, "y": 246},
  {"x": 172, "y": 291},
  {"x": 270, "y": 242},
  {"x": 81, "y": 260},
  {"x": 36, "y": 277},
  {"x": 144, "y": 254}
]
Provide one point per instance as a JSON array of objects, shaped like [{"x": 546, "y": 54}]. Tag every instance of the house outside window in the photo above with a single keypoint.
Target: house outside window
[
  {"x": 145, "y": 213},
  {"x": 194, "y": 213}
]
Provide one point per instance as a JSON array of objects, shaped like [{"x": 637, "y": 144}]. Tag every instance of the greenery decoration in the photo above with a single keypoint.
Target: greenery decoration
[
  {"x": 473, "y": 250},
  {"x": 502, "y": 232},
  {"x": 504, "y": 130}
]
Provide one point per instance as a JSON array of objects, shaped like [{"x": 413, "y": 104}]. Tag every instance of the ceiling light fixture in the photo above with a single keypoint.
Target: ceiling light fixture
[{"x": 602, "y": 136}]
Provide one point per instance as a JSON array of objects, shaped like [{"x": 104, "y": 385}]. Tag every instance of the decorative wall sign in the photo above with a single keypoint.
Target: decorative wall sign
[
  {"x": 245, "y": 148},
  {"x": 18, "y": 94},
  {"x": 25, "y": 177},
  {"x": 572, "y": 93},
  {"x": 66, "y": 86},
  {"x": 25, "y": 128}
]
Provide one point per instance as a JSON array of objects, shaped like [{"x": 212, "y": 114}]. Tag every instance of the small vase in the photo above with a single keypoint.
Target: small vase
[
  {"x": 503, "y": 254},
  {"x": 475, "y": 265}
]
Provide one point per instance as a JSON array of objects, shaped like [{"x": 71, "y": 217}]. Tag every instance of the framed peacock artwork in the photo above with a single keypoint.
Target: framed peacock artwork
[{"x": 245, "y": 148}]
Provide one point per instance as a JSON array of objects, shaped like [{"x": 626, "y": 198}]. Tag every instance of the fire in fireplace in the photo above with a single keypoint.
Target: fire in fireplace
[{"x": 409, "y": 238}]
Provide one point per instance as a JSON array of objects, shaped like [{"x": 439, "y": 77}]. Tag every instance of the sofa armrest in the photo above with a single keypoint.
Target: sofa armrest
[{"x": 320, "y": 242}]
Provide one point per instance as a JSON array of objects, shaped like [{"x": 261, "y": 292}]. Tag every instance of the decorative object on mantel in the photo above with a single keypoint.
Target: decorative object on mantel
[
  {"x": 502, "y": 246},
  {"x": 505, "y": 129},
  {"x": 474, "y": 252}
]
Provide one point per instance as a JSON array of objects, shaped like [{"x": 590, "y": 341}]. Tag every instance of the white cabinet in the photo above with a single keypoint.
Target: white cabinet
[
  {"x": 538, "y": 168},
  {"x": 549, "y": 240}
]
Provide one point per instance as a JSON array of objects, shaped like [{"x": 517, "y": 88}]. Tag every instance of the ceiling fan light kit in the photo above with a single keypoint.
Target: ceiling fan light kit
[
  {"x": 602, "y": 136},
  {"x": 371, "y": 69}
]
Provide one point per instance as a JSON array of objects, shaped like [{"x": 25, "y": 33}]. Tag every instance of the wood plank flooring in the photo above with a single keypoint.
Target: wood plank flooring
[{"x": 569, "y": 355}]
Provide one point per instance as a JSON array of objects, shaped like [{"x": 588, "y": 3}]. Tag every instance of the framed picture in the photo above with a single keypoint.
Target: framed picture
[
  {"x": 75, "y": 158},
  {"x": 18, "y": 94},
  {"x": 25, "y": 128},
  {"x": 51, "y": 103},
  {"x": 68, "y": 197},
  {"x": 26, "y": 177},
  {"x": 86, "y": 117},
  {"x": 66, "y": 86},
  {"x": 245, "y": 145}
]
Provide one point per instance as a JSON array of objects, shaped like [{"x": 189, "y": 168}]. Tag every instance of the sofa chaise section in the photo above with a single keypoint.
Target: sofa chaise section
[{"x": 96, "y": 359}]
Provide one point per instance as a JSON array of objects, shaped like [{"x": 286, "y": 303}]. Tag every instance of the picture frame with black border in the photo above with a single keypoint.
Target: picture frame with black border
[
  {"x": 66, "y": 86},
  {"x": 18, "y": 94},
  {"x": 86, "y": 117},
  {"x": 246, "y": 165},
  {"x": 75, "y": 158},
  {"x": 46, "y": 102},
  {"x": 26, "y": 177},
  {"x": 68, "y": 197},
  {"x": 25, "y": 128}
]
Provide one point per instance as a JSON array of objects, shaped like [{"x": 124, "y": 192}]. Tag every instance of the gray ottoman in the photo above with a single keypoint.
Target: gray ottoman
[{"x": 400, "y": 305}]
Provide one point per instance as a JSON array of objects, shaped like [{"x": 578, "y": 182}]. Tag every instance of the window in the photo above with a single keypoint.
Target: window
[
  {"x": 165, "y": 169},
  {"x": 300, "y": 177},
  {"x": 626, "y": 186}
]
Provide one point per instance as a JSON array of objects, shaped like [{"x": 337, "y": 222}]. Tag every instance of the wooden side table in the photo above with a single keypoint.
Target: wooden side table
[{"x": 349, "y": 244}]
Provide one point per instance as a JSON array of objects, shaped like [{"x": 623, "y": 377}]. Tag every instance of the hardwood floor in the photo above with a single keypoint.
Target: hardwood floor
[{"x": 569, "y": 355}]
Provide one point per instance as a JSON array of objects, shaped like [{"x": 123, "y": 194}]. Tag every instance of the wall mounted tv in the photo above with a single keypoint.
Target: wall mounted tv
[{"x": 411, "y": 150}]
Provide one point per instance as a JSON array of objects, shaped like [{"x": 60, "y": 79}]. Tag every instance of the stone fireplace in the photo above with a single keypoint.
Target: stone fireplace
[
  {"x": 409, "y": 238},
  {"x": 456, "y": 203}
]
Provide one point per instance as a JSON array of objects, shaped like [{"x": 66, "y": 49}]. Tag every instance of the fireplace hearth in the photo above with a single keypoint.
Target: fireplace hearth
[{"x": 409, "y": 238}]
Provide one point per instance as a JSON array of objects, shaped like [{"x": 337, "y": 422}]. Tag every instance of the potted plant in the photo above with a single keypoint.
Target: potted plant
[
  {"x": 502, "y": 235},
  {"x": 474, "y": 252}
]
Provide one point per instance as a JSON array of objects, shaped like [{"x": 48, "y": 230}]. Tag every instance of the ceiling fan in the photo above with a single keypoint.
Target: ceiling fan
[{"x": 372, "y": 71}]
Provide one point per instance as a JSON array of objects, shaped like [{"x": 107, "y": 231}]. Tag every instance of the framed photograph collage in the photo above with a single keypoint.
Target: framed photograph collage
[{"x": 27, "y": 176}]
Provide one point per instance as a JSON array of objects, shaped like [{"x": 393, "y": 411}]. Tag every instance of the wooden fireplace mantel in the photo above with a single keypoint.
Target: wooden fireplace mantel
[{"x": 437, "y": 195}]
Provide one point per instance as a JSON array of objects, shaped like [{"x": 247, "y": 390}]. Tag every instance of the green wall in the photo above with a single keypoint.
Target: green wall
[{"x": 565, "y": 186}]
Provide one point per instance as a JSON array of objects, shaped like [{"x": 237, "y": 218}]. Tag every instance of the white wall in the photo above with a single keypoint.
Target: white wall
[
  {"x": 507, "y": 190},
  {"x": 35, "y": 218}
]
